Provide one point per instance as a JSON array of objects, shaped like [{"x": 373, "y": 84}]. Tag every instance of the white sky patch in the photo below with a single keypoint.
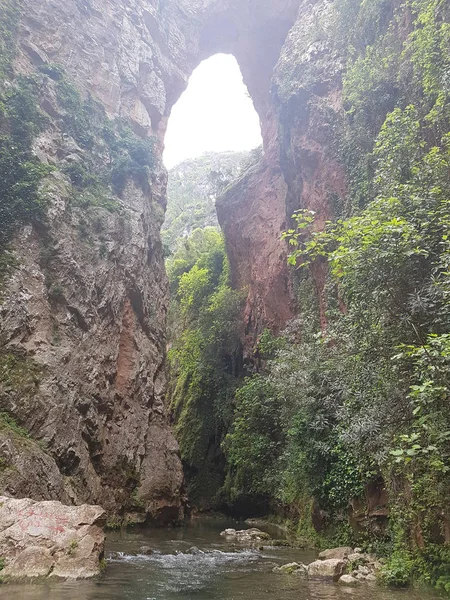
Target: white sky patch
[{"x": 215, "y": 113}]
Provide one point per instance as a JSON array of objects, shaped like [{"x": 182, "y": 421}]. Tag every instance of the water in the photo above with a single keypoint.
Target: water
[{"x": 219, "y": 571}]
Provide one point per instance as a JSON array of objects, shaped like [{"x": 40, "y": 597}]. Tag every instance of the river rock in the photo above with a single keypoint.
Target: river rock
[
  {"x": 39, "y": 539},
  {"x": 331, "y": 568},
  {"x": 245, "y": 535},
  {"x": 348, "y": 580},
  {"x": 340, "y": 553},
  {"x": 292, "y": 568},
  {"x": 145, "y": 550},
  {"x": 228, "y": 533},
  {"x": 357, "y": 557}
]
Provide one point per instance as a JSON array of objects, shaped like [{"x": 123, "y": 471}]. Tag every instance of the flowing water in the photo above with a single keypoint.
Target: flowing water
[{"x": 195, "y": 563}]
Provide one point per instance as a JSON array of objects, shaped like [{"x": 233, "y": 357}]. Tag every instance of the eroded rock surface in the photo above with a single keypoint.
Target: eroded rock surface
[{"x": 41, "y": 539}]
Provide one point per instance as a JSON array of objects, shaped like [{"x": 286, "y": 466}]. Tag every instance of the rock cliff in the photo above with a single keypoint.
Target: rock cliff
[{"x": 83, "y": 314}]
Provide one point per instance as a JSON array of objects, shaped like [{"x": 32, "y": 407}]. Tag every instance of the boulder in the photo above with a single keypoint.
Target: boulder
[
  {"x": 245, "y": 535},
  {"x": 228, "y": 533},
  {"x": 348, "y": 580},
  {"x": 145, "y": 550},
  {"x": 292, "y": 568},
  {"x": 331, "y": 568},
  {"x": 341, "y": 553},
  {"x": 357, "y": 557},
  {"x": 40, "y": 539}
]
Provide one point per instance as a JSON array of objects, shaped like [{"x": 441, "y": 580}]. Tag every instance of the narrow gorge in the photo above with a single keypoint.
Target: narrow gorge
[{"x": 294, "y": 361}]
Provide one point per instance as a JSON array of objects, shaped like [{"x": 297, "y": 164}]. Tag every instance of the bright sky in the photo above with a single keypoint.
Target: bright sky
[{"x": 214, "y": 113}]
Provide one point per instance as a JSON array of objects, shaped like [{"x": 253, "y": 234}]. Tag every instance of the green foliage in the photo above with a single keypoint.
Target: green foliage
[
  {"x": 387, "y": 341},
  {"x": 21, "y": 173},
  {"x": 7, "y": 422},
  {"x": 269, "y": 344},
  {"x": 18, "y": 374},
  {"x": 90, "y": 190},
  {"x": 9, "y": 17},
  {"x": 21, "y": 202},
  {"x": 398, "y": 571},
  {"x": 72, "y": 547},
  {"x": 131, "y": 157},
  {"x": 80, "y": 117},
  {"x": 192, "y": 190},
  {"x": 255, "y": 441},
  {"x": 204, "y": 357}
]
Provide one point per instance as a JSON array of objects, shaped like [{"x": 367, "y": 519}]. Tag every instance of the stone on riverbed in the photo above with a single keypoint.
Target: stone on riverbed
[
  {"x": 339, "y": 553},
  {"x": 246, "y": 535},
  {"x": 348, "y": 580},
  {"x": 40, "y": 539},
  {"x": 332, "y": 568},
  {"x": 292, "y": 568},
  {"x": 358, "y": 557}
]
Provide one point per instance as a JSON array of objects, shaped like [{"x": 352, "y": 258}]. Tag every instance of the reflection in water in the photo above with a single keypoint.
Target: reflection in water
[{"x": 195, "y": 563}]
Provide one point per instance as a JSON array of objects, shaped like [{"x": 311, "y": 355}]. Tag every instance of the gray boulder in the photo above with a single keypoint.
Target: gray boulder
[
  {"x": 348, "y": 580},
  {"x": 341, "y": 553},
  {"x": 245, "y": 535},
  {"x": 292, "y": 568},
  {"x": 40, "y": 539},
  {"x": 358, "y": 557},
  {"x": 331, "y": 568}
]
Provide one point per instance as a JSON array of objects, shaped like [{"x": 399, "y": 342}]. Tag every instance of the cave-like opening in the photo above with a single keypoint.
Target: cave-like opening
[
  {"x": 212, "y": 131},
  {"x": 214, "y": 114}
]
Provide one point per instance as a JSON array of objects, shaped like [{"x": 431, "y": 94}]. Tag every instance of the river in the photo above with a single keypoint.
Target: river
[{"x": 195, "y": 563}]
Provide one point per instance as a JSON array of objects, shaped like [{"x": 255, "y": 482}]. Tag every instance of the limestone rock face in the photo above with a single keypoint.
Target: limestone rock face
[
  {"x": 27, "y": 470},
  {"x": 40, "y": 539},
  {"x": 298, "y": 170}
]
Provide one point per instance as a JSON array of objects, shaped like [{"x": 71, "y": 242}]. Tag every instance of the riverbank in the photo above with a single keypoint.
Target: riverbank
[{"x": 195, "y": 561}]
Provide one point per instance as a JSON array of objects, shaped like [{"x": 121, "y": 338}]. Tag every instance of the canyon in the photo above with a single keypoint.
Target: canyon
[
  {"x": 83, "y": 314},
  {"x": 304, "y": 367}
]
